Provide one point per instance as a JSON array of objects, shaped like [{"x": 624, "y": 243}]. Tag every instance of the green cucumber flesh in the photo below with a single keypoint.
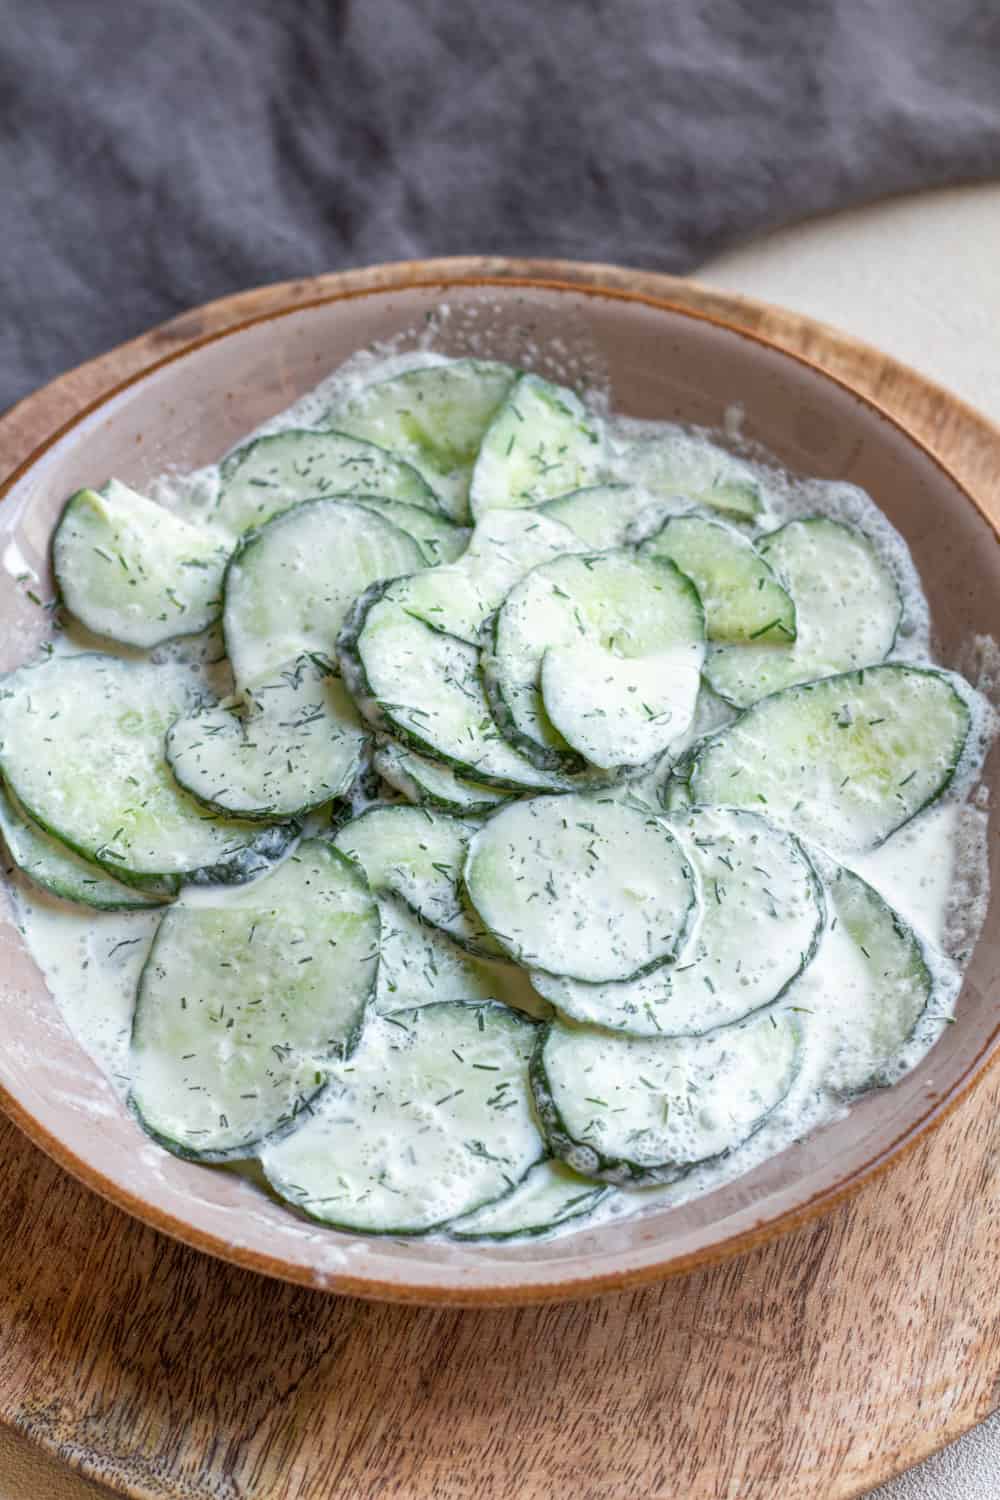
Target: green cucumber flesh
[
  {"x": 589, "y": 887},
  {"x": 641, "y": 1110},
  {"x": 760, "y": 922},
  {"x": 542, "y": 442},
  {"x": 742, "y": 598},
  {"x": 439, "y": 539},
  {"x": 847, "y": 612},
  {"x": 244, "y": 1005},
  {"x": 289, "y": 585},
  {"x": 685, "y": 465},
  {"x": 132, "y": 571},
  {"x": 844, "y": 761},
  {"x": 428, "y": 1120},
  {"x": 290, "y": 744},
  {"x": 603, "y": 515},
  {"x": 427, "y": 783},
  {"x": 550, "y": 1195}
]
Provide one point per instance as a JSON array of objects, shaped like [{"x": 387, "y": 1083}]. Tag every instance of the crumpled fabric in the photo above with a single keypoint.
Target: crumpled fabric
[{"x": 158, "y": 153}]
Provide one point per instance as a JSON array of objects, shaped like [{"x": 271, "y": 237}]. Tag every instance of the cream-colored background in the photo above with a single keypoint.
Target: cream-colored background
[{"x": 920, "y": 278}]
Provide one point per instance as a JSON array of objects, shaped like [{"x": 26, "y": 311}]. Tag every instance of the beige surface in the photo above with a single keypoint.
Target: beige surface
[{"x": 927, "y": 334}]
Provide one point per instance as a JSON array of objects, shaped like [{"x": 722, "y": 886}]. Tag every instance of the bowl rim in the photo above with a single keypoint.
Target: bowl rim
[{"x": 565, "y": 1285}]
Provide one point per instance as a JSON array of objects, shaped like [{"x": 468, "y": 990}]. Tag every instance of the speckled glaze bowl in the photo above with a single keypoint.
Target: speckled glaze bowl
[{"x": 659, "y": 361}]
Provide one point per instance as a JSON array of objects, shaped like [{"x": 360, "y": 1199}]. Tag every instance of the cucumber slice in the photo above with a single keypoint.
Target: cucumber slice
[
  {"x": 550, "y": 1195},
  {"x": 847, "y": 606},
  {"x": 505, "y": 545},
  {"x": 418, "y": 856},
  {"x": 542, "y": 442},
  {"x": 742, "y": 599},
  {"x": 57, "y": 869},
  {"x": 419, "y": 965},
  {"x": 81, "y": 745},
  {"x": 896, "y": 982},
  {"x": 630, "y": 1109},
  {"x": 424, "y": 687},
  {"x": 761, "y": 921},
  {"x": 243, "y": 1005},
  {"x": 435, "y": 418},
  {"x": 584, "y": 886},
  {"x": 683, "y": 464},
  {"x": 439, "y": 539},
  {"x": 430, "y": 1119},
  {"x": 273, "y": 473},
  {"x": 132, "y": 571},
  {"x": 289, "y": 585},
  {"x": 292, "y": 743},
  {"x": 430, "y": 785},
  {"x": 600, "y": 653},
  {"x": 844, "y": 761},
  {"x": 603, "y": 515}
]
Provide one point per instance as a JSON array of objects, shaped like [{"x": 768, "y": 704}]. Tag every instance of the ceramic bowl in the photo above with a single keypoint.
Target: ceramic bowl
[{"x": 659, "y": 361}]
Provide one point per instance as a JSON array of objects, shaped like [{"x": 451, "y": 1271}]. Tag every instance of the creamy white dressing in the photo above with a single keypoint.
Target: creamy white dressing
[{"x": 932, "y": 871}]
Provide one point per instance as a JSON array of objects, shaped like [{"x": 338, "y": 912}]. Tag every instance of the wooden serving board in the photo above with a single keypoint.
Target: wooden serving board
[{"x": 811, "y": 1369}]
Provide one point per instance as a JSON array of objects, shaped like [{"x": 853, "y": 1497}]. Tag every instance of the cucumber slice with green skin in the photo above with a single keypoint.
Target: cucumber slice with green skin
[
  {"x": 637, "y": 1110},
  {"x": 424, "y": 687},
  {"x": 291, "y": 744},
  {"x": 58, "y": 870},
  {"x": 439, "y": 539},
  {"x": 760, "y": 925},
  {"x": 427, "y": 784},
  {"x": 435, "y": 418},
  {"x": 742, "y": 599},
  {"x": 81, "y": 745},
  {"x": 897, "y": 983},
  {"x": 505, "y": 545},
  {"x": 430, "y": 1119},
  {"x": 683, "y": 465},
  {"x": 603, "y": 515},
  {"x": 848, "y": 610},
  {"x": 419, "y": 966},
  {"x": 550, "y": 1195},
  {"x": 600, "y": 653},
  {"x": 588, "y": 887},
  {"x": 243, "y": 1005},
  {"x": 132, "y": 571},
  {"x": 273, "y": 473},
  {"x": 289, "y": 585},
  {"x": 418, "y": 856},
  {"x": 844, "y": 761},
  {"x": 542, "y": 442}
]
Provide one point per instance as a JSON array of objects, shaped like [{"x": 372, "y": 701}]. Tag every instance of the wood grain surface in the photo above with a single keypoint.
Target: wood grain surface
[{"x": 810, "y": 1369}]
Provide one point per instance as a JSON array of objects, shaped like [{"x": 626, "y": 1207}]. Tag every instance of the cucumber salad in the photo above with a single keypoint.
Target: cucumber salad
[{"x": 464, "y": 810}]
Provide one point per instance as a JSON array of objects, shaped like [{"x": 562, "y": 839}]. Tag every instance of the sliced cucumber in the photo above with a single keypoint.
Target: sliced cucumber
[
  {"x": 603, "y": 515},
  {"x": 418, "y": 855},
  {"x": 742, "y": 599},
  {"x": 419, "y": 965},
  {"x": 550, "y": 1195},
  {"x": 428, "y": 784},
  {"x": 81, "y": 745},
  {"x": 760, "y": 924},
  {"x": 292, "y": 743},
  {"x": 585, "y": 886},
  {"x": 684, "y": 464},
  {"x": 847, "y": 608},
  {"x": 542, "y": 442},
  {"x": 243, "y": 1005},
  {"x": 57, "y": 869},
  {"x": 430, "y": 1119},
  {"x": 289, "y": 585},
  {"x": 630, "y": 1109},
  {"x": 273, "y": 473},
  {"x": 505, "y": 545},
  {"x": 132, "y": 571},
  {"x": 846, "y": 760},
  {"x": 439, "y": 539},
  {"x": 435, "y": 418},
  {"x": 424, "y": 687},
  {"x": 600, "y": 654},
  {"x": 896, "y": 980}
]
